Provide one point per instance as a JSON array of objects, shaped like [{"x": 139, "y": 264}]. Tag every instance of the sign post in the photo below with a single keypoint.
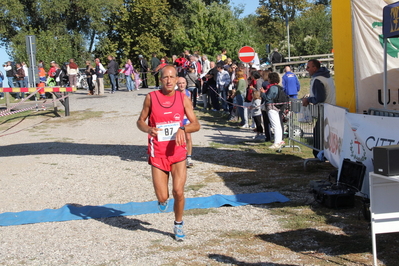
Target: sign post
[{"x": 31, "y": 50}]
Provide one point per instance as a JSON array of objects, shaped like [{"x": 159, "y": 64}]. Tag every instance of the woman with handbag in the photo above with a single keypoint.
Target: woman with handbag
[{"x": 128, "y": 75}]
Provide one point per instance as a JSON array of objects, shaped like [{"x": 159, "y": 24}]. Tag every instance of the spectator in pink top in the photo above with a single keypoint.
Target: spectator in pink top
[{"x": 129, "y": 70}]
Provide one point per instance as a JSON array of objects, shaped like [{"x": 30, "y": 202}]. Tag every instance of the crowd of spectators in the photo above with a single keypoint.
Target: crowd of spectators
[{"x": 244, "y": 93}]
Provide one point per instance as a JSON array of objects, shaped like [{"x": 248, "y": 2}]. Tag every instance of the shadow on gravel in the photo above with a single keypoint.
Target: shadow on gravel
[
  {"x": 125, "y": 152},
  {"x": 233, "y": 261},
  {"x": 117, "y": 220},
  {"x": 304, "y": 240}
]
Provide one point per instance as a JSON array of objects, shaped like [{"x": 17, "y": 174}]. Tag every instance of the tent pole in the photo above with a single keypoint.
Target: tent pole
[{"x": 385, "y": 79}]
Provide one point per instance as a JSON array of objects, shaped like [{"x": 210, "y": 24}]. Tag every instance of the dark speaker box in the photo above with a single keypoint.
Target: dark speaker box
[
  {"x": 342, "y": 193},
  {"x": 336, "y": 198},
  {"x": 386, "y": 160}
]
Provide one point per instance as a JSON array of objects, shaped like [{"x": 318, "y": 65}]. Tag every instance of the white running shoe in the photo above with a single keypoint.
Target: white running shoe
[
  {"x": 275, "y": 146},
  {"x": 179, "y": 232}
]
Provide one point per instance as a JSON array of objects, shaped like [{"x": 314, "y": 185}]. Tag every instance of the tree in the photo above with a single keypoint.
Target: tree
[
  {"x": 178, "y": 6},
  {"x": 137, "y": 27},
  {"x": 63, "y": 28},
  {"x": 313, "y": 32},
  {"x": 211, "y": 28},
  {"x": 273, "y": 15}
]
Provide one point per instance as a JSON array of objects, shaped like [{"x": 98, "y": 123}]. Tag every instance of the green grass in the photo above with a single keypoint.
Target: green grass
[
  {"x": 198, "y": 212},
  {"x": 195, "y": 187}
]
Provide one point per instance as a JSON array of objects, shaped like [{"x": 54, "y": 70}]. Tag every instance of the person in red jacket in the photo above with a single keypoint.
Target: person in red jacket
[{"x": 180, "y": 63}]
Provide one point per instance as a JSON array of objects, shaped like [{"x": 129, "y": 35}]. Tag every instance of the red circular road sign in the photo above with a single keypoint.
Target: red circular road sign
[{"x": 246, "y": 54}]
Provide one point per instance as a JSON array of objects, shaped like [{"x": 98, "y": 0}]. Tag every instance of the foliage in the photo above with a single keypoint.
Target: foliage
[
  {"x": 211, "y": 28},
  {"x": 273, "y": 15},
  {"x": 284, "y": 8},
  {"x": 178, "y": 6},
  {"x": 84, "y": 29},
  {"x": 137, "y": 27},
  {"x": 313, "y": 31},
  {"x": 61, "y": 27},
  {"x": 310, "y": 25}
]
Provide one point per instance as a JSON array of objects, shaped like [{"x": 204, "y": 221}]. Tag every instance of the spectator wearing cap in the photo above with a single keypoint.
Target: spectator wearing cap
[
  {"x": 10, "y": 73},
  {"x": 143, "y": 69},
  {"x": 52, "y": 71}
]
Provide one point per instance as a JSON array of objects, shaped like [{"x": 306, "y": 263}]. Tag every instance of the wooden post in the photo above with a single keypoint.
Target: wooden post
[{"x": 7, "y": 94}]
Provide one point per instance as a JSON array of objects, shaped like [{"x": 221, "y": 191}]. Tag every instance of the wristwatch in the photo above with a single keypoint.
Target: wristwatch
[{"x": 183, "y": 128}]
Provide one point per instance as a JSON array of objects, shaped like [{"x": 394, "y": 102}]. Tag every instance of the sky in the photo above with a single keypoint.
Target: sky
[{"x": 249, "y": 8}]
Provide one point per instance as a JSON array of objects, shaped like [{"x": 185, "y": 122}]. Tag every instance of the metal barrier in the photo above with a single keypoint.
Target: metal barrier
[
  {"x": 58, "y": 94},
  {"x": 309, "y": 133},
  {"x": 383, "y": 112}
]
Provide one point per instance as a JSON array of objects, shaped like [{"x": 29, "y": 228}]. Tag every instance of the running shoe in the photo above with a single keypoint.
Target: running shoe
[
  {"x": 258, "y": 137},
  {"x": 163, "y": 206},
  {"x": 275, "y": 146},
  {"x": 178, "y": 231},
  {"x": 189, "y": 162}
]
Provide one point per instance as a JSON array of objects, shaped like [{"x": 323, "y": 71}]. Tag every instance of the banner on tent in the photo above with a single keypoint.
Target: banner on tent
[
  {"x": 353, "y": 136},
  {"x": 369, "y": 57}
]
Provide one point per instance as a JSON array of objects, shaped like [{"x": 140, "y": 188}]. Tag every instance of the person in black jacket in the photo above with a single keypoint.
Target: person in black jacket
[
  {"x": 90, "y": 71},
  {"x": 143, "y": 70},
  {"x": 112, "y": 70},
  {"x": 211, "y": 85}
]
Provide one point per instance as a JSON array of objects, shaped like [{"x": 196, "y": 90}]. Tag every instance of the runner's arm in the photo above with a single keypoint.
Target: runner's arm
[{"x": 145, "y": 113}]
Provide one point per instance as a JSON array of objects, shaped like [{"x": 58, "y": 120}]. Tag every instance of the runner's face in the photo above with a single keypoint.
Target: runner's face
[
  {"x": 181, "y": 84},
  {"x": 169, "y": 78}
]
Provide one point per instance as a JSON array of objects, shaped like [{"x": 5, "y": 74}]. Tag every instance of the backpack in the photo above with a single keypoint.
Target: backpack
[
  {"x": 248, "y": 95},
  {"x": 282, "y": 97}
]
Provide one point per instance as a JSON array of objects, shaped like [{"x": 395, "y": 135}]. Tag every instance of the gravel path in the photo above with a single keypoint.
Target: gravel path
[{"x": 98, "y": 156}]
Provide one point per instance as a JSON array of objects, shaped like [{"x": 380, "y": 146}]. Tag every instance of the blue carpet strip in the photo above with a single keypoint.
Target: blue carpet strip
[{"x": 76, "y": 212}]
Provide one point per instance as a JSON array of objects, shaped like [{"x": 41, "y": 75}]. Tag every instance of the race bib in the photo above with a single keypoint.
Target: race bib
[{"x": 168, "y": 131}]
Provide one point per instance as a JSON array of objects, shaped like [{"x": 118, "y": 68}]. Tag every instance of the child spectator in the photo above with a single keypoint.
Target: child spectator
[
  {"x": 247, "y": 104},
  {"x": 257, "y": 113}
]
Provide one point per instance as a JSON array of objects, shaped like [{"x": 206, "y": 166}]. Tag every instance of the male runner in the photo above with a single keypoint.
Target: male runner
[{"x": 165, "y": 110}]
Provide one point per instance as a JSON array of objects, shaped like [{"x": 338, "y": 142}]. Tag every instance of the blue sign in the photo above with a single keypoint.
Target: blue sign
[{"x": 390, "y": 27}]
